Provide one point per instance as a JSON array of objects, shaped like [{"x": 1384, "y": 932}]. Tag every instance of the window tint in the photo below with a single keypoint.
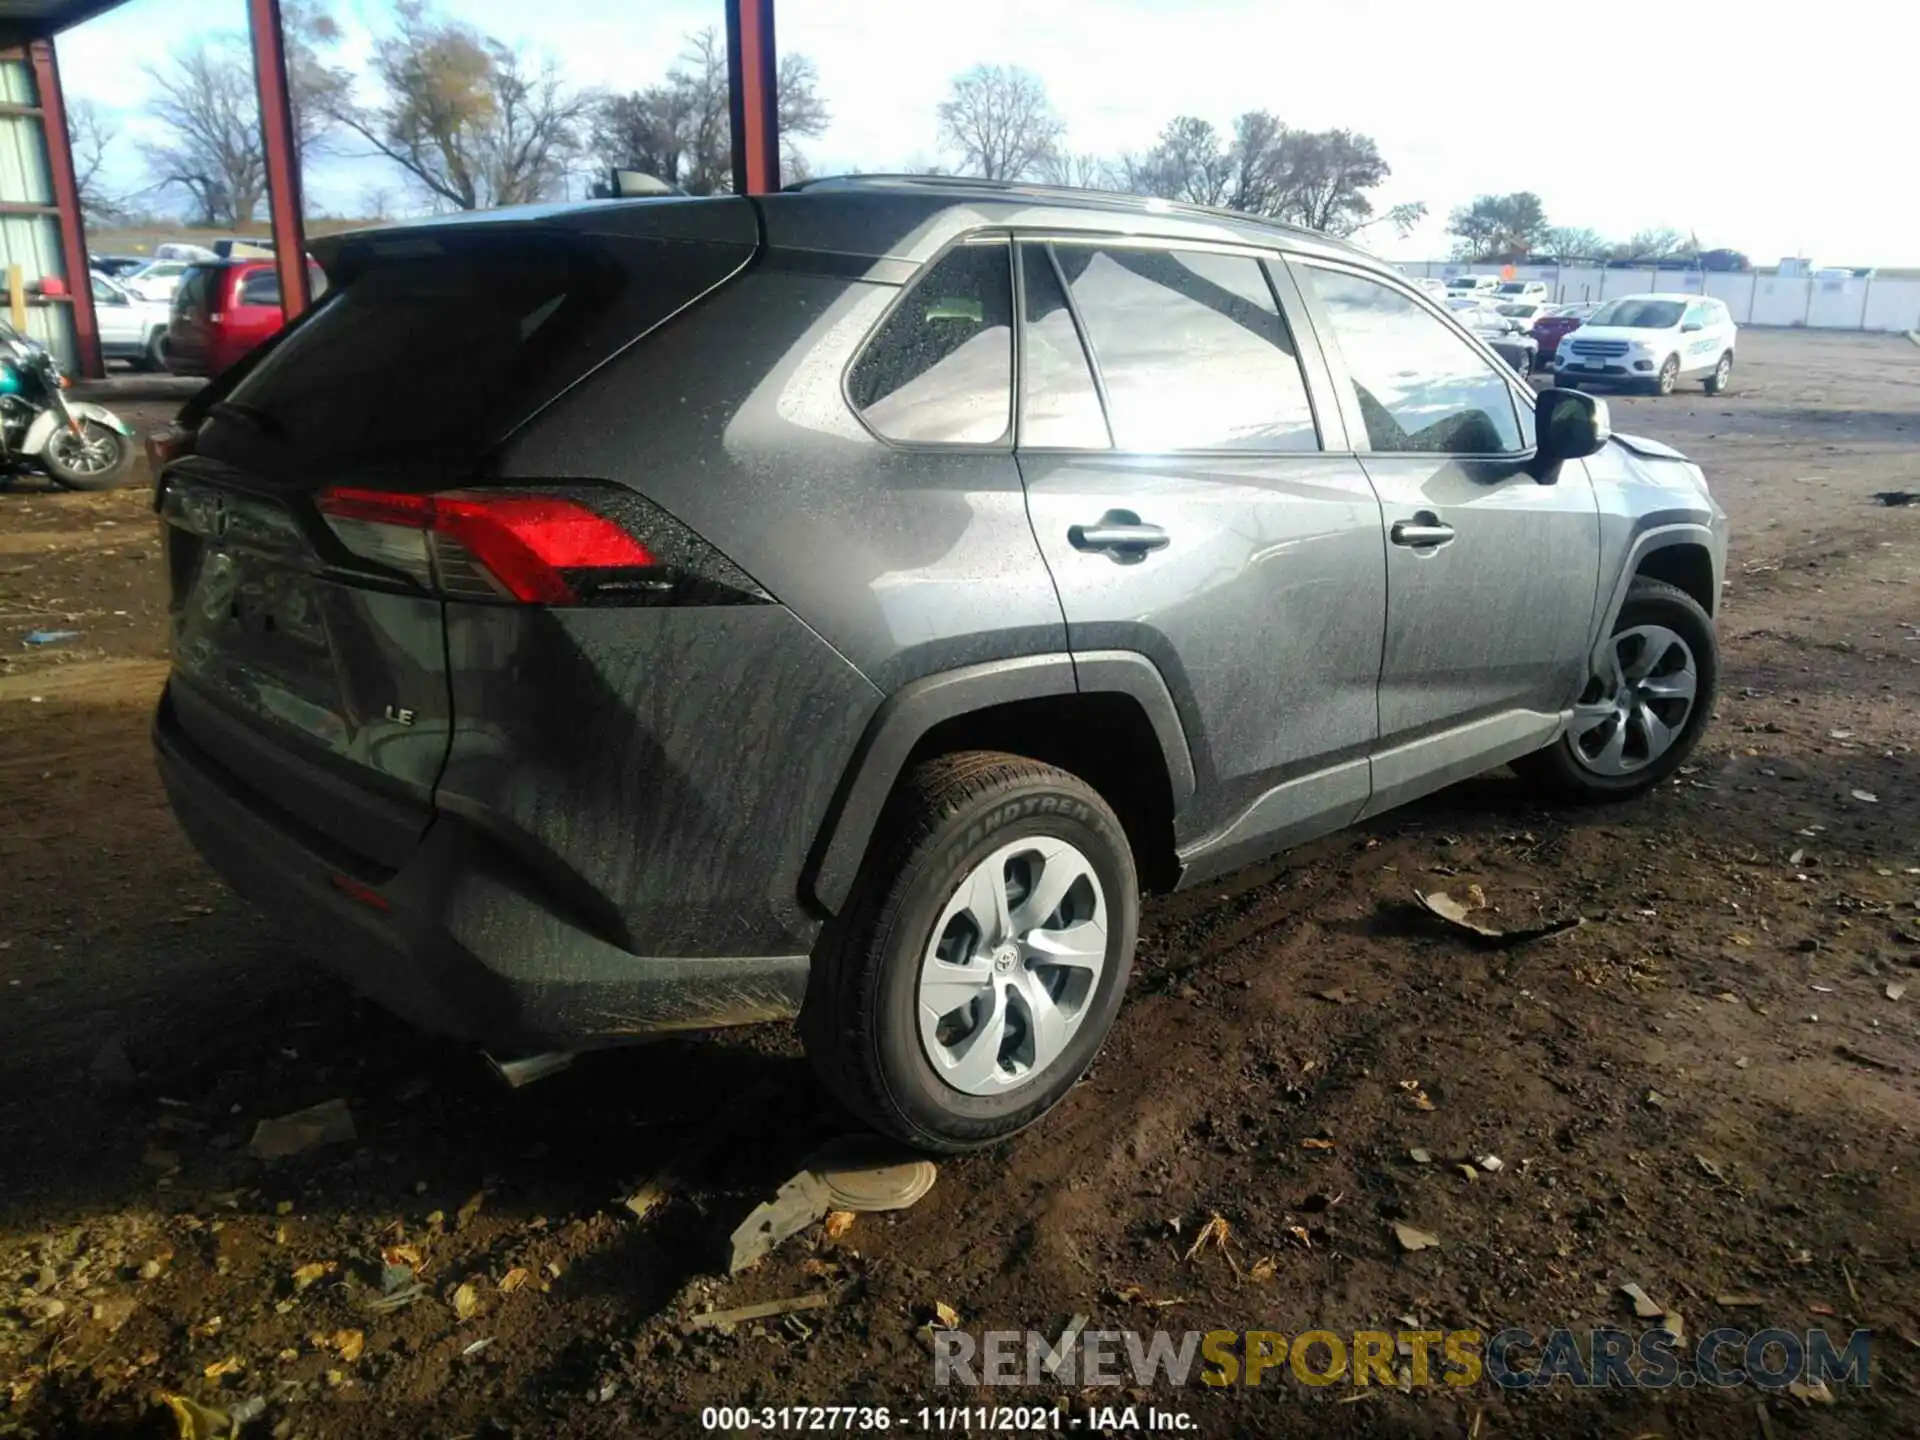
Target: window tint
[
  {"x": 423, "y": 361},
  {"x": 940, "y": 368},
  {"x": 1420, "y": 386},
  {"x": 1060, "y": 404},
  {"x": 1192, "y": 349},
  {"x": 260, "y": 288},
  {"x": 192, "y": 294}
]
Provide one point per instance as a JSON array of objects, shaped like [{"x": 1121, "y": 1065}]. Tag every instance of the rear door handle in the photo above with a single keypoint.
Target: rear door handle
[
  {"x": 1423, "y": 532},
  {"x": 1123, "y": 539}
]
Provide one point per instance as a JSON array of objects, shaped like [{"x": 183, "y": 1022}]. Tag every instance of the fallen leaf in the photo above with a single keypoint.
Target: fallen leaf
[
  {"x": 1643, "y": 1304},
  {"x": 407, "y": 1255},
  {"x": 1740, "y": 1302},
  {"x": 1895, "y": 990},
  {"x": 1866, "y": 797},
  {"x": 1818, "y": 1309},
  {"x": 464, "y": 1216},
  {"x": 1420, "y": 1157},
  {"x": 476, "y": 1347},
  {"x": 1712, "y": 1170},
  {"x": 1412, "y": 1239},
  {"x": 945, "y": 1316},
  {"x": 349, "y": 1343},
  {"x": 308, "y": 1275},
  {"x": 513, "y": 1279},
  {"x": 1214, "y": 1233},
  {"x": 465, "y": 1301},
  {"x": 1813, "y": 1392},
  {"x": 1316, "y": 1142},
  {"x": 645, "y": 1200},
  {"x": 1338, "y": 997},
  {"x": 1797, "y": 858},
  {"x": 232, "y": 1365},
  {"x": 1476, "y": 898},
  {"x": 1264, "y": 1268},
  {"x": 1299, "y": 1233},
  {"x": 1840, "y": 734},
  {"x": 1468, "y": 1172},
  {"x": 838, "y": 1223},
  {"x": 197, "y": 1421},
  {"x": 1492, "y": 1164}
]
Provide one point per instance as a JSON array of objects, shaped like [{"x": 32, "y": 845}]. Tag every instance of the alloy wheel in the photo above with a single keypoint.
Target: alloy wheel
[
  {"x": 1631, "y": 716},
  {"x": 1012, "y": 966},
  {"x": 95, "y": 452}
]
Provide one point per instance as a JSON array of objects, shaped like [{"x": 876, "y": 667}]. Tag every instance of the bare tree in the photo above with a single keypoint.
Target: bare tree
[
  {"x": 1078, "y": 170},
  {"x": 205, "y": 97},
  {"x": 1000, "y": 121},
  {"x": 316, "y": 89},
  {"x": 1577, "y": 242},
  {"x": 472, "y": 121},
  {"x": 1316, "y": 178},
  {"x": 89, "y": 136},
  {"x": 680, "y": 130}
]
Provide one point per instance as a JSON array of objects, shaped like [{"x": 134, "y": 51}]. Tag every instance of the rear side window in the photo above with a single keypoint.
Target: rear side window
[
  {"x": 1191, "y": 348},
  {"x": 260, "y": 288},
  {"x": 1420, "y": 386},
  {"x": 939, "y": 370},
  {"x": 1059, "y": 404}
]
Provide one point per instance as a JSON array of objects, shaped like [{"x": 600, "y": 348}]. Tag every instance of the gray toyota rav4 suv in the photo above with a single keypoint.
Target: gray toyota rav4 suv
[{"x": 613, "y": 618}]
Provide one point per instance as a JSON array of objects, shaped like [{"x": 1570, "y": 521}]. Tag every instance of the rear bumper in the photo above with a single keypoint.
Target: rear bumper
[{"x": 457, "y": 941}]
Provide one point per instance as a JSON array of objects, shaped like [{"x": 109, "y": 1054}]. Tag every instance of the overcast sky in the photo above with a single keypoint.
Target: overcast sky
[{"x": 1790, "y": 132}]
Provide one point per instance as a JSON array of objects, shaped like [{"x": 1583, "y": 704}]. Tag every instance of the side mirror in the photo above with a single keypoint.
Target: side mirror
[
  {"x": 1568, "y": 425},
  {"x": 1691, "y": 325}
]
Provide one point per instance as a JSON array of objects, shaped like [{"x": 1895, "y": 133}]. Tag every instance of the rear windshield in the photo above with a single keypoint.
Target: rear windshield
[
  {"x": 1514, "y": 287},
  {"x": 1638, "y": 314},
  {"x": 194, "y": 285},
  {"x": 424, "y": 356}
]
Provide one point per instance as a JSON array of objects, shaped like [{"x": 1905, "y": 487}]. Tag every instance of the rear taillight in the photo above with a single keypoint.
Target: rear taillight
[{"x": 530, "y": 548}]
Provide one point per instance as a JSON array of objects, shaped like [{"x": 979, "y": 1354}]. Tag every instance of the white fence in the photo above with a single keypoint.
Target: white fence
[{"x": 1754, "y": 299}]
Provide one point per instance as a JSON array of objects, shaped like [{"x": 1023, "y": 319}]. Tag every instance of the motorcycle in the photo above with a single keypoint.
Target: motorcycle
[{"x": 79, "y": 446}]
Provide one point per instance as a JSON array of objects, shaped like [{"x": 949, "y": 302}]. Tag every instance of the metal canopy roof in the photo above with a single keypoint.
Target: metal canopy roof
[{"x": 25, "y": 20}]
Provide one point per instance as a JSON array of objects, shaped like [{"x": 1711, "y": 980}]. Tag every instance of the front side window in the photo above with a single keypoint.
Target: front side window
[
  {"x": 1192, "y": 349},
  {"x": 261, "y": 288},
  {"x": 1420, "y": 386},
  {"x": 939, "y": 370}
]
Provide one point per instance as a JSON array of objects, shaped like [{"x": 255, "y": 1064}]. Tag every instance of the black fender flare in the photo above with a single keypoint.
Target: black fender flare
[{"x": 907, "y": 715}]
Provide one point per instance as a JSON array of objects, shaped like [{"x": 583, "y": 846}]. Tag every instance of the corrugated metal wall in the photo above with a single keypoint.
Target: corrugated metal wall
[{"x": 30, "y": 241}]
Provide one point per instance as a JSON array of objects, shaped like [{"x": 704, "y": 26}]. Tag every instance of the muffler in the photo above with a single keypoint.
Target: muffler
[{"x": 529, "y": 1068}]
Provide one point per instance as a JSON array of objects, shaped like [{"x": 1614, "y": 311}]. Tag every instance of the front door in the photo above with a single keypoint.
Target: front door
[
  {"x": 1188, "y": 512},
  {"x": 1491, "y": 574}
]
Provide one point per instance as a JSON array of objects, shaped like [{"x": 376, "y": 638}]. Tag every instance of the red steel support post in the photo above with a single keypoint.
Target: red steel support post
[
  {"x": 66, "y": 199},
  {"x": 282, "y": 153},
  {"x": 754, "y": 83}
]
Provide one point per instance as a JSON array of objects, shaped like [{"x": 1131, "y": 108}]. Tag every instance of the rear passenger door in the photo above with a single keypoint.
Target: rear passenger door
[
  {"x": 1491, "y": 574},
  {"x": 1196, "y": 502}
]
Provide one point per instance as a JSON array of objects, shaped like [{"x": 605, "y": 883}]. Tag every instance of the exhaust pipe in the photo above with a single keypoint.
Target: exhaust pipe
[{"x": 529, "y": 1068}]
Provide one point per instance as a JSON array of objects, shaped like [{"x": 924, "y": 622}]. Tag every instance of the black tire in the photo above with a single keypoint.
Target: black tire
[
  {"x": 1721, "y": 380},
  {"x": 1669, "y": 376},
  {"x": 112, "y": 477},
  {"x": 155, "y": 360},
  {"x": 859, "y": 1022},
  {"x": 1559, "y": 771}
]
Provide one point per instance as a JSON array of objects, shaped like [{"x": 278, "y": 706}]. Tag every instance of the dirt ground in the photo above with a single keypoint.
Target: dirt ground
[{"x": 1711, "y": 1090}]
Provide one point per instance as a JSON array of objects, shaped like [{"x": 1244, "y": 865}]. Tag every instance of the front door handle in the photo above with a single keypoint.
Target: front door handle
[
  {"x": 1423, "y": 532},
  {"x": 1121, "y": 538}
]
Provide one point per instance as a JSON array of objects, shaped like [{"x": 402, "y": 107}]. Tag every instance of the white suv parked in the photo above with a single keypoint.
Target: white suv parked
[{"x": 1651, "y": 340}]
